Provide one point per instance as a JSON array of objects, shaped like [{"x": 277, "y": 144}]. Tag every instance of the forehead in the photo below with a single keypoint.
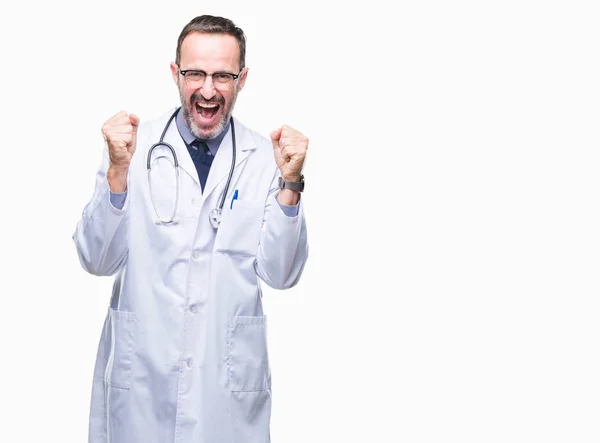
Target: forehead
[{"x": 209, "y": 52}]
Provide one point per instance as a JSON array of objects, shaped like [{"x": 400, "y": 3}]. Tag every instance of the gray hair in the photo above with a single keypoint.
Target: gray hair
[{"x": 213, "y": 25}]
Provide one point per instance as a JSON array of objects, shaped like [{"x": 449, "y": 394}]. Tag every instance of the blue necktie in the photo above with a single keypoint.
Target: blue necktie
[{"x": 202, "y": 158}]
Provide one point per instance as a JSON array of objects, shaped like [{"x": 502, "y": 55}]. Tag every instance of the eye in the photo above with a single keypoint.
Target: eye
[
  {"x": 222, "y": 77},
  {"x": 195, "y": 75}
]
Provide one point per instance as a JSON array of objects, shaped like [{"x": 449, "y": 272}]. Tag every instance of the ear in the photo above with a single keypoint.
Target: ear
[
  {"x": 243, "y": 77},
  {"x": 175, "y": 73}
]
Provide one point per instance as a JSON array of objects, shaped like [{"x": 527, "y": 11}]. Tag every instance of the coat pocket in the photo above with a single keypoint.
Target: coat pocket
[
  {"x": 248, "y": 361},
  {"x": 241, "y": 224},
  {"x": 120, "y": 337}
]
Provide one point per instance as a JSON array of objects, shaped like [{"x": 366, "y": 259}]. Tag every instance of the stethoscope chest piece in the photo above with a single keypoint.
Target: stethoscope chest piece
[{"x": 215, "y": 217}]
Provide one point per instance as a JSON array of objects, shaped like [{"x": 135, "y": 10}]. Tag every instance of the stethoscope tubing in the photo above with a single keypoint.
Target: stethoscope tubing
[{"x": 215, "y": 214}]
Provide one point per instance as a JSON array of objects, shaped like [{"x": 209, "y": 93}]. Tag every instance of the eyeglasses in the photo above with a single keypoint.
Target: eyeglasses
[{"x": 195, "y": 78}]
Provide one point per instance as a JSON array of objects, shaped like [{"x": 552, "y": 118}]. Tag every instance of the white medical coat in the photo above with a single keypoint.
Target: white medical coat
[{"x": 183, "y": 352}]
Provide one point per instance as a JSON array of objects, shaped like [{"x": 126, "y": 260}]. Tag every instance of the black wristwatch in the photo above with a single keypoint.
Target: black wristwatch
[{"x": 294, "y": 186}]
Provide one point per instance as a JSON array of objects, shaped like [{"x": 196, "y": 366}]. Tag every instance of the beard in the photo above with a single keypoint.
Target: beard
[{"x": 188, "y": 110}]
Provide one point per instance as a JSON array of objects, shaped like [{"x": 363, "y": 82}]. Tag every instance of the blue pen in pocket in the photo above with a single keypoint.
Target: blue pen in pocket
[{"x": 235, "y": 196}]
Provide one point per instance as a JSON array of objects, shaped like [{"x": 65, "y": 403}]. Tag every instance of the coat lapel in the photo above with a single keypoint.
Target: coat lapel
[{"x": 221, "y": 166}]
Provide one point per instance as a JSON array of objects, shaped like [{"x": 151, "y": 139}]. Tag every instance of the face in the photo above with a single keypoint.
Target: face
[{"x": 207, "y": 109}]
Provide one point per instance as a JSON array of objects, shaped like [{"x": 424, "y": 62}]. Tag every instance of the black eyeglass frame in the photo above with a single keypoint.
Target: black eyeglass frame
[{"x": 206, "y": 74}]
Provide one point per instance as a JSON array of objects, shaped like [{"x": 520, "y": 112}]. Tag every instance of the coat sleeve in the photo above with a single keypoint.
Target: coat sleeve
[
  {"x": 283, "y": 247},
  {"x": 101, "y": 234}
]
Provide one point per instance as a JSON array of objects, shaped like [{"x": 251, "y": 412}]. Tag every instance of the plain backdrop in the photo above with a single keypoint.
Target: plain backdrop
[{"x": 452, "y": 290}]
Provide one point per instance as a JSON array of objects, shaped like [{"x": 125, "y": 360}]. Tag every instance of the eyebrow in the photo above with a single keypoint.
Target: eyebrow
[{"x": 202, "y": 70}]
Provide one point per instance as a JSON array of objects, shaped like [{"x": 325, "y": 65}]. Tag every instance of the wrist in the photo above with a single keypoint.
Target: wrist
[
  {"x": 292, "y": 177},
  {"x": 297, "y": 184},
  {"x": 117, "y": 178},
  {"x": 288, "y": 197}
]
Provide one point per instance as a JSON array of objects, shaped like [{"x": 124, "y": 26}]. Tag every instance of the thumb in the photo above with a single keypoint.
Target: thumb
[
  {"x": 135, "y": 122},
  {"x": 275, "y": 136}
]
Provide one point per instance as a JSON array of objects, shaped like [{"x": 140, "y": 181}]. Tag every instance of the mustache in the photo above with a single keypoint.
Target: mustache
[{"x": 197, "y": 97}]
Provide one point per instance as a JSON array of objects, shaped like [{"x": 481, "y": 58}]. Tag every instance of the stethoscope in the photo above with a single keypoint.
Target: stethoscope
[{"x": 215, "y": 214}]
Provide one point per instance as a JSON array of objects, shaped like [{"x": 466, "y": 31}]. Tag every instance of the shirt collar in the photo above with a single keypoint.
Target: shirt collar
[{"x": 188, "y": 137}]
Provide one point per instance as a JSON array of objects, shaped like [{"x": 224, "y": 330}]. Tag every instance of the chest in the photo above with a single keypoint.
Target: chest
[{"x": 167, "y": 192}]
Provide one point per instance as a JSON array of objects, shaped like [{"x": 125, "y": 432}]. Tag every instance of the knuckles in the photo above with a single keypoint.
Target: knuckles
[
  {"x": 112, "y": 135},
  {"x": 291, "y": 137}
]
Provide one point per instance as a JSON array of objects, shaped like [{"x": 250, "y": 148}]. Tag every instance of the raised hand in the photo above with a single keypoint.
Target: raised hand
[
  {"x": 120, "y": 132},
  {"x": 289, "y": 147}
]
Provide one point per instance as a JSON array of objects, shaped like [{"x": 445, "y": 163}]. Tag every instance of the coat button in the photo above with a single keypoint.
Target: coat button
[
  {"x": 189, "y": 362},
  {"x": 197, "y": 254},
  {"x": 193, "y": 308}
]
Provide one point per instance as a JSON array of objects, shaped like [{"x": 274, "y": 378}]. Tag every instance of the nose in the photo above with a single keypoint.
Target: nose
[{"x": 208, "y": 88}]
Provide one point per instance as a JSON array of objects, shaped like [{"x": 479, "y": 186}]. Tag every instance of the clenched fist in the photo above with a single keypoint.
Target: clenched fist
[
  {"x": 120, "y": 132},
  {"x": 289, "y": 146}
]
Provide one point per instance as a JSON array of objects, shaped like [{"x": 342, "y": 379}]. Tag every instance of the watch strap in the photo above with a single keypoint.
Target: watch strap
[{"x": 294, "y": 186}]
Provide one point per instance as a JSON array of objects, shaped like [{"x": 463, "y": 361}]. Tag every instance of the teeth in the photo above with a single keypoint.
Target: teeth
[{"x": 207, "y": 105}]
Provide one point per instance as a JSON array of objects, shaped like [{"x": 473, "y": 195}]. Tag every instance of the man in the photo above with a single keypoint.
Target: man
[{"x": 183, "y": 354}]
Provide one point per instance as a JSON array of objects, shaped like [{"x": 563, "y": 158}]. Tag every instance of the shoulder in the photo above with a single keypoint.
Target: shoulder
[
  {"x": 251, "y": 139},
  {"x": 260, "y": 147},
  {"x": 149, "y": 133},
  {"x": 156, "y": 124}
]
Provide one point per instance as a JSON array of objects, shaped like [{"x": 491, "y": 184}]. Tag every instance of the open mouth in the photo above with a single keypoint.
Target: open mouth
[{"x": 207, "y": 112}]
